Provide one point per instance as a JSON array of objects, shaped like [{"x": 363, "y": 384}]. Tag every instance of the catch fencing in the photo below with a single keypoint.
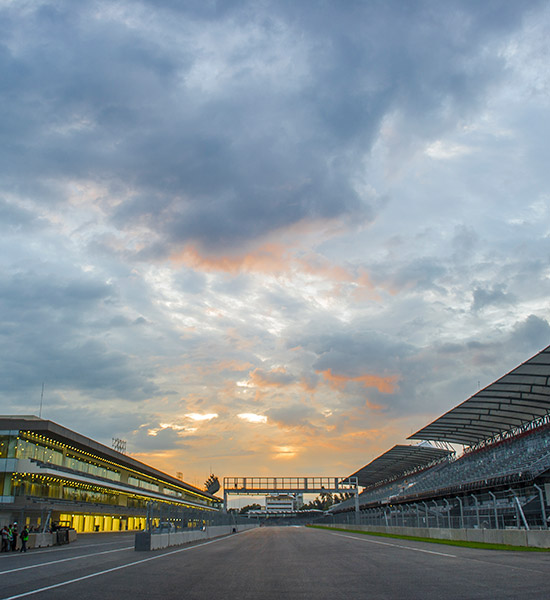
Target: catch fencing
[
  {"x": 168, "y": 518},
  {"x": 524, "y": 508}
]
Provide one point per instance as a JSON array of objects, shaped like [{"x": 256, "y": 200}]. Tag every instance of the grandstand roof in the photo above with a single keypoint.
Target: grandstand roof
[
  {"x": 519, "y": 397},
  {"x": 396, "y": 461}
]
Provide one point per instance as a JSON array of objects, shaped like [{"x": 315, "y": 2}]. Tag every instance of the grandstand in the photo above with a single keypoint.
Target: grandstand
[{"x": 502, "y": 477}]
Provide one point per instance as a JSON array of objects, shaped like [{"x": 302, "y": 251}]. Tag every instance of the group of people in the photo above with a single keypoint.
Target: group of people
[{"x": 9, "y": 534}]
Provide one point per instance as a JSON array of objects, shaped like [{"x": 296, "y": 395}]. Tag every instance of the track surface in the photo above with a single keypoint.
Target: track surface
[{"x": 272, "y": 564}]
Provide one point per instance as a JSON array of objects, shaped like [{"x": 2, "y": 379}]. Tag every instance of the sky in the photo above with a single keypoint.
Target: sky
[{"x": 269, "y": 237}]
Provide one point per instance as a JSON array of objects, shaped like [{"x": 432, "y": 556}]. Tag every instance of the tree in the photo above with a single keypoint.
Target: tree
[
  {"x": 325, "y": 500},
  {"x": 342, "y": 497},
  {"x": 212, "y": 484}
]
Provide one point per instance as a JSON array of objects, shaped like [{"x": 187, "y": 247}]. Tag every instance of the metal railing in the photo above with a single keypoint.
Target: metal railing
[
  {"x": 261, "y": 485},
  {"x": 163, "y": 517},
  {"x": 520, "y": 508}
]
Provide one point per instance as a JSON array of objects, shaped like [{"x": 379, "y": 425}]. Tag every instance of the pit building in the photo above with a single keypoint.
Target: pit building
[{"x": 49, "y": 473}]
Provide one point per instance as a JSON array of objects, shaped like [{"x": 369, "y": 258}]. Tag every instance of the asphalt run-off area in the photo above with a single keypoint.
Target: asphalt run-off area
[{"x": 272, "y": 563}]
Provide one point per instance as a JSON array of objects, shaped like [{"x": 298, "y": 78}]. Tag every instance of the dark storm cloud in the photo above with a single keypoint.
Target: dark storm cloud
[
  {"x": 280, "y": 302},
  {"x": 426, "y": 378},
  {"x": 14, "y": 219},
  {"x": 232, "y": 285},
  {"x": 531, "y": 335},
  {"x": 37, "y": 293},
  {"x": 165, "y": 438},
  {"x": 190, "y": 282},
  {"x": 278, "y": 378},
  {"x": 350, "y": 350},
  {"x": 98, "y": 94},
  {"x": 464, "y": 241},
  {"x": 48, "y": 333},
  {"x": 293, "y": 415},
  {"x": 491, "y": 297},
  {"x": 123, "y": 322},
  {"x": 419, "y": 275}
]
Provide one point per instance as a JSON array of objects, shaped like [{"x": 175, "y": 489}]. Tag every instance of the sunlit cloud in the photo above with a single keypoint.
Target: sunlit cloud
[
  {"x": 269, "y": 258},
  {"x": 385, "y": 385},
  {"x": 277, "y": 377},
  {"x": 442, "y": 151},
  {"x": 244, "y": 383},
  {"x": 284, "y": 452},
  {"x": 202, "y": 417},
  {"x": 173, "y": 427},
  {"x": 277, "y": 259},
  {"x": 252, "y": 417},
  {"x": 230, "y": 365}
]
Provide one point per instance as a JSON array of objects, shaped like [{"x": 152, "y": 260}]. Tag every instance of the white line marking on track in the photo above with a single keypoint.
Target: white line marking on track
[
  {"x": 137, "y": 562},
  {"x": 360, "y": 539},
  {"x": 54, "y": 562},
  {"x": 51, "y": 549}
]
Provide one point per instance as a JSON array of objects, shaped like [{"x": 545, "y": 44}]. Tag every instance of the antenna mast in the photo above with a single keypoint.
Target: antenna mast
[{"x": 41, "y": 399}]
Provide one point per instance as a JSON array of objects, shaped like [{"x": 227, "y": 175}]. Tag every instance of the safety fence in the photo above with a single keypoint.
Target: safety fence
[
  {"x": 168, "y": 518},
  {"x": 172, "y": 526},
  {"x": 524, "y": 508}
]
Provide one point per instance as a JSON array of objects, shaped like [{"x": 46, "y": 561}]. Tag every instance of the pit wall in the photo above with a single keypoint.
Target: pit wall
[
  {"x": 509, "y": 537},
  {"x": 40, "y": 540},
  {"x": 43, "y": 540},
  {"x": 156, "y": 541}
]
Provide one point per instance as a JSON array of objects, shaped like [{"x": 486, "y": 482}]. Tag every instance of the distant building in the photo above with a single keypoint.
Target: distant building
[
  {"x": 50, "y": 472},
  {"x": 283, "y": 503}
]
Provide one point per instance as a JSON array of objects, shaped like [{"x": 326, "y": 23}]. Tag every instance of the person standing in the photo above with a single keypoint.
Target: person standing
[
  {"x": 24, "y": 539},
  {"x": 13, "y": 540},
  {"x": 5, "y": 539}
]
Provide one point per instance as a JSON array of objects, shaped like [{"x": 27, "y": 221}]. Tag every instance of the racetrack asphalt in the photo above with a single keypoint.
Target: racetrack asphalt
[{"x": 273, "y": 563}]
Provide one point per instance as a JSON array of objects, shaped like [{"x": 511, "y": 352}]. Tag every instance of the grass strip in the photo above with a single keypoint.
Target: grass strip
[{"x": 464, "y": 544}]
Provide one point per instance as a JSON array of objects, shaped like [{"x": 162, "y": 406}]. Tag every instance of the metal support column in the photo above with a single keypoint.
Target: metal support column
[
  {"x": 461, "y": 512},
  {"x": 148, "y": 517},
  {"x": 477, "y": 510},
  {"x": 436, "y": 513},
  {"x": 495, "y": 509},
  {"x": 427, "y": 515},
  {"x": 447, "y": 504},
  {"x": 519, "y": 510},
  {"x": 47, "y": 521},
  {"x": 542, "y": 507}
]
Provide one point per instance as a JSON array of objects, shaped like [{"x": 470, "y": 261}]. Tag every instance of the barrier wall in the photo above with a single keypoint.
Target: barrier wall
[
  {"x": 40, "y": 540},
  {"x": 509, "y": 537},
  {"x": 155, "y": 541},
  {"x": 43, "y": 540}
]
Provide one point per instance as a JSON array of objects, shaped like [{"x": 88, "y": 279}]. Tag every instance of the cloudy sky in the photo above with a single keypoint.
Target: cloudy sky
[{"x": 269, "y": 237}]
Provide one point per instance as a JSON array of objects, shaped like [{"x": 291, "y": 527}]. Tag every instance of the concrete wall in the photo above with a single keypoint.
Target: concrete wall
[
  {"x": 43, "y": 540},
  {"x": 510, "y": 537},
  {"x": 156, "y": 541},
  {"x": 40, "y": 540}
]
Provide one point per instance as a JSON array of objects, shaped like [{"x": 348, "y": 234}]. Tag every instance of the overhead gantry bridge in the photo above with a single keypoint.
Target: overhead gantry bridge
[{"x": 262, "y": 486}]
